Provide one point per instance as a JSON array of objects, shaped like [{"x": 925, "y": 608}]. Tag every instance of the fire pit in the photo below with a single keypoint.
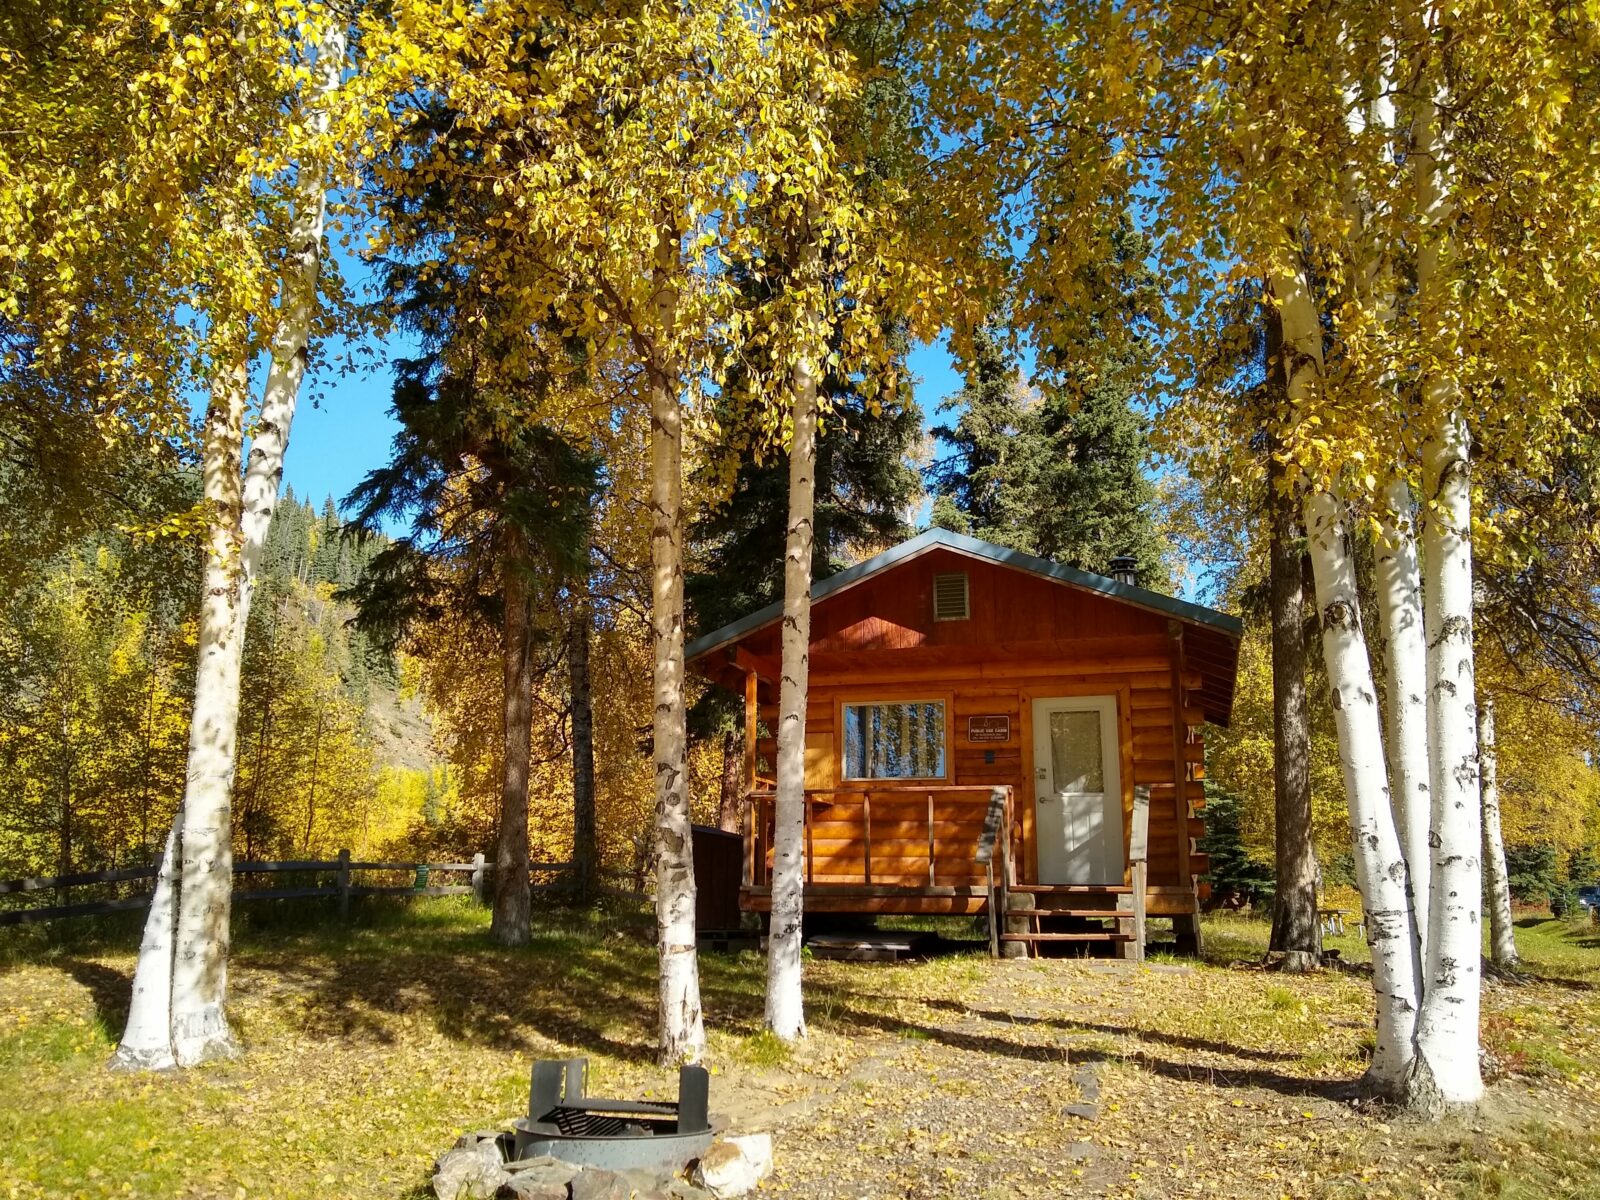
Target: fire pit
[{"x": 565, "y": 1122}]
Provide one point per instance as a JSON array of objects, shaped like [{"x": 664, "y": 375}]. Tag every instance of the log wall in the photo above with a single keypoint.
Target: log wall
[{"x": 1026, "y": 639}]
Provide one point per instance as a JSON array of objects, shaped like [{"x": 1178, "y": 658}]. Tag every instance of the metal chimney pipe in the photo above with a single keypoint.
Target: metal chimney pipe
[{"x": 1125, "y": 570}]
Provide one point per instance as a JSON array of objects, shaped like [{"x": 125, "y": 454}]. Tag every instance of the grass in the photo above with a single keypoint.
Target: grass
[{"x": 370, "y": 1047}]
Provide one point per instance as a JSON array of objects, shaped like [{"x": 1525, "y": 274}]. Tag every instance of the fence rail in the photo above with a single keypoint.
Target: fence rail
[{"x": 341, "y": 888}]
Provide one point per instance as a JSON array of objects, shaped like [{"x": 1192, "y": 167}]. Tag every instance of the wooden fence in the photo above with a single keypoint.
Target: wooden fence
[{"x": 544, "y": 877}]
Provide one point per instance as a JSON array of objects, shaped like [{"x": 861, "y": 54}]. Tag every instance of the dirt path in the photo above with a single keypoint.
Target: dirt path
[{"x": 1064, "y": 1078}]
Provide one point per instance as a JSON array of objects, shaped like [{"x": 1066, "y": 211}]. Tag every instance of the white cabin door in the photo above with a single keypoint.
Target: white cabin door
[{"x": 1077, "y": 790}]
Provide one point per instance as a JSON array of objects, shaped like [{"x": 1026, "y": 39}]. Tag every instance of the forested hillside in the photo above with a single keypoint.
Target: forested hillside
[{"x": 97, "y": 652}]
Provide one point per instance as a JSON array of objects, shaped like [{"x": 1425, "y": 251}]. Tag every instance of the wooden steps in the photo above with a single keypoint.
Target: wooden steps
[
  {"x": 1067, "y": 914},
  {"x": 1071, "y": 889},
  {"x": 1096, "y": 914},
  {"x": 1101, "y": 936}
]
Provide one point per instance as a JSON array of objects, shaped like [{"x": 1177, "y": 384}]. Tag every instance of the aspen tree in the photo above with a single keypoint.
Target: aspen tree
[
  {"x": 194, "y": 927},
  {"x": 1398, "y": 164},
  {"x": 1502, "y": 934}
]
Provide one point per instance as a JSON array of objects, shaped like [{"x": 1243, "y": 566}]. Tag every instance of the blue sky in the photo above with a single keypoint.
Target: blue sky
[{"x": 344, "y": 429}]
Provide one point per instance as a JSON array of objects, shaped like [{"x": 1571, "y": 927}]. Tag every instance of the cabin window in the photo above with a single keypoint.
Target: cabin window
[
  {"x": 950, "y": 598},
  {"x": 897, "y": 739}
]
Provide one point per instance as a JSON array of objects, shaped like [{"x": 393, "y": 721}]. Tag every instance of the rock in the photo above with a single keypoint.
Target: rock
[
  {"x": 543, "y": 1169},
  {"x": 524, "y": 1188},
  {"x": 592, "y": 1183},
  {"x": 474, "y": 1172},
  {"x": 734, "y": 1166},
  {"x": 646, "y": 1185},
  {"x": 468, "y": 1140},
  {"x": 679, "y": 1190}
]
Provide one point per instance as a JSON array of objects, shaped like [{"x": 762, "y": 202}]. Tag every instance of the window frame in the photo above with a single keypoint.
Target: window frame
[{"x": 888, "y": 696}]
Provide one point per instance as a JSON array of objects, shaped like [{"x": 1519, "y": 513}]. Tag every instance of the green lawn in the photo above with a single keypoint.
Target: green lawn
[{"x": 370, "y": 1048}]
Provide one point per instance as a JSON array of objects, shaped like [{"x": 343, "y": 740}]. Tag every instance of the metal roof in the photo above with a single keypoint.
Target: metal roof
[{"x": 1183, "y": 610}]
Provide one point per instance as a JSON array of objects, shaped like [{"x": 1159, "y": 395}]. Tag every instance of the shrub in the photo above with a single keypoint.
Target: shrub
[
  {"x": 1236, "y": 878},
  {"x": 1531, "y": 872}
]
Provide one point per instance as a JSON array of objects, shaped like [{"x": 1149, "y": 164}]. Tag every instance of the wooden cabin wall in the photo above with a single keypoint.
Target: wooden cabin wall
[{"x": 1025, "y": 638}]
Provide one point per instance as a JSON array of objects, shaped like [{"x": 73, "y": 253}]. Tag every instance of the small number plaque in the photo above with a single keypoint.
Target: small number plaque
[{"x": 996, "y": 728}]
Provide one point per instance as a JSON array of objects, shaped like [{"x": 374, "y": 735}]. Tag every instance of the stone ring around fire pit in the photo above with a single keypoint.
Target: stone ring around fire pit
[{"x": 565, "y": 1122}]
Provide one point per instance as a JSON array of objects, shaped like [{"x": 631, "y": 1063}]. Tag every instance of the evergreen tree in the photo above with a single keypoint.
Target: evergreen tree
[
  {"x": 988, "y": 485},
  {"x": 866, "y": 491},
  {"x": 1236, "y": 878},
  {"x": 486, "y": 488},
  {"x": 1060, "y": 471}
]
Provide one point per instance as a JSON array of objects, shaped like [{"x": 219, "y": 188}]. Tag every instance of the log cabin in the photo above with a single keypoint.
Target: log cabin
[{"x": 958, "y": 686}]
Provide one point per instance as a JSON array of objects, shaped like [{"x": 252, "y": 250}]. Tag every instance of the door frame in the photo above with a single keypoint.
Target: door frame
[{"x": 1067, "y": 688}]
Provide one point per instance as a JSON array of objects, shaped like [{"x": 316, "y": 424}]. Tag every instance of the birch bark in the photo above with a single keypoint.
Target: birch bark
[
  {"x": 1502, "y": 940},
  {"x": 683, "y": 1036},
  {"x": 1399, "y": 585},
  {"x": 785, "y": 1007},
  {"x": 1447, "y": 1033},
  {"x": 1380, "y": 865},
  {"x": 147, "y": 1040},
  {"x": 205, "y": 890}
]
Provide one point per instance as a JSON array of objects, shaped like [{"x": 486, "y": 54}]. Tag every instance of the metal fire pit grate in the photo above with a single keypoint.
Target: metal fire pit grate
[{"x": 565, "y": 1122}]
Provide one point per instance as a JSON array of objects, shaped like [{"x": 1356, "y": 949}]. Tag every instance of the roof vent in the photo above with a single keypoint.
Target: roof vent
[
  {"x": 950, "y": 598},
  {"x": 1125, "y": 570}
]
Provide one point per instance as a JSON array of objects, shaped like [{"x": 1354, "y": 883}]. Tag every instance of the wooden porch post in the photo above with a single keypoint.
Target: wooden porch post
[
  {"x": 1180, "y": 764},
  {"x": 752, "y": 703}
]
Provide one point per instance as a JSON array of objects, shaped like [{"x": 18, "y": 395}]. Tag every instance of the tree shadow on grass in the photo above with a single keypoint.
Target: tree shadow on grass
[
  {"x": 110, "y": 990},
  {"x": 555, "y": 994},
  {"x": 1176, "y": 1040},
  {"x": 1071, "y": 1025},
  {"x": 583, "y": 984},
  {"x": 588, "y": 990},
  {"x": 1227, "y": 1077}
]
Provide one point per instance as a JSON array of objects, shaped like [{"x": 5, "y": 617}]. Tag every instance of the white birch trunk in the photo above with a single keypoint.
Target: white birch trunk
[
  {"x": 147, "y": 1040},
  {"x": 1405, "y": 649},
  {"x": 1447, "y": 1033},
  {"x": 785, "y": 1006},
  {"x": 192, "y": 983},
  {"x": 1380, "y": 864},
  {"x": 297, "y": 301},
  {"x": 683, "y": 1036},
  {"x": 1502, "y": 939},
  {"x": 205, "y": 891}
]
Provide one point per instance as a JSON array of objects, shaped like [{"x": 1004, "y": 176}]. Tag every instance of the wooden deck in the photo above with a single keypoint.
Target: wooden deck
[{"x": 911, "y": 849}]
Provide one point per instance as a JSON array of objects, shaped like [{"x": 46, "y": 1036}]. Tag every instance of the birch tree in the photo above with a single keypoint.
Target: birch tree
[
  {"x": 630, "y": 149},
  {"x": 1502, "y": 935},
  {"x": 1377, "y": 165},
  {"x": 784, "y": 1010},
  {"x": 180, "y": 986},
  {"x": 849, "y": 278}
]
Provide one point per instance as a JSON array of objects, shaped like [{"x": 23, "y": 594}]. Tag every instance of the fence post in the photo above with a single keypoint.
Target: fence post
[
  {"x": 344, "y": 885},
  {"x": 477, "y": 877}
]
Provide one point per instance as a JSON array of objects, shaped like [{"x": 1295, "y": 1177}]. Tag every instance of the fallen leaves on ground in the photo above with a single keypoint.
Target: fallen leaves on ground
[{"x": 369, "y": 1050}]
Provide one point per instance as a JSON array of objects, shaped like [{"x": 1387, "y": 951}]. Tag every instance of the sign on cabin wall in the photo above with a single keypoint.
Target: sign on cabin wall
[{"x": 994, "y": 728}]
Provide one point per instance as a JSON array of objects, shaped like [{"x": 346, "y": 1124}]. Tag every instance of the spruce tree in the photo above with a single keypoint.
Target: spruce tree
[
  {"x": 1061, "y": 469},
  {"x": 867, "y": 490}
]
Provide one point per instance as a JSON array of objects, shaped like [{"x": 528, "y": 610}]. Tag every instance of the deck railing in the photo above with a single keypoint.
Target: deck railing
[{"x": 920, "y": 837}]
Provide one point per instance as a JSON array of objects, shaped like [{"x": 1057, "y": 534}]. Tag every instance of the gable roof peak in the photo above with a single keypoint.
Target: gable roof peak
[{"x": 961, "y": 543}]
